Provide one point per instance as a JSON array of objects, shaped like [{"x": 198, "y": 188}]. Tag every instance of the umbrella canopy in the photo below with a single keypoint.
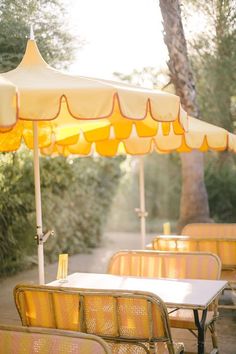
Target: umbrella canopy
[
  {"x": 55, "y": 106},
  {"x": 8, "y": 104},
  {"x": 44, "y": 92}
]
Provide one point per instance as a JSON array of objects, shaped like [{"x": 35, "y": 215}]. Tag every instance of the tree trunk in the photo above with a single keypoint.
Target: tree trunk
[{"x": 194, "y": 201}]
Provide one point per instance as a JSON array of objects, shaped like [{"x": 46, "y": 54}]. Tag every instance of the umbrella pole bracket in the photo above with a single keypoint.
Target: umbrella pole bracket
[
  {"x": 141, "y": 213},
  {"x": 41, "y": 238}
]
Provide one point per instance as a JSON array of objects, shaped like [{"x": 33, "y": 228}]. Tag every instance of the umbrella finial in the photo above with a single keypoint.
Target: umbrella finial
[
  {"x": 32, "y": 55},
  {"x": 32, "y": 33}
]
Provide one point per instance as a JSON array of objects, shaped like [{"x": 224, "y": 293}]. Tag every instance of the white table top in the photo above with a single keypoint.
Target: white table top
[{"x": 183, "y": 293}]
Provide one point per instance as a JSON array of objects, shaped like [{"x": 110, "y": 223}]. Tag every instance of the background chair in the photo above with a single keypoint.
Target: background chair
[
  {"x": 219, "y": 239},
  {"x": 210, "y": 230},
  {"x": 18, "y": 340},
  {"x": 180, "y": 265},
  {"x": 132, "y": 322}
]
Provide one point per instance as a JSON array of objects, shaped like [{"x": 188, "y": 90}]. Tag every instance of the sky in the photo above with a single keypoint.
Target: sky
[{"x": 120, "y": 35}]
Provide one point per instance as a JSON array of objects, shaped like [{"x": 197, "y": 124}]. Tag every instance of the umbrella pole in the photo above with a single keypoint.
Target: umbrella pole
[
  {"x": 142, "y": 211},
  {"x": 38, "y": 205}
]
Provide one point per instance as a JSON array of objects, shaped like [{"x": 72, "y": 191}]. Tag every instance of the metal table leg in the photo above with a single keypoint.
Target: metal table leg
[{"x": 200, "y": 324}]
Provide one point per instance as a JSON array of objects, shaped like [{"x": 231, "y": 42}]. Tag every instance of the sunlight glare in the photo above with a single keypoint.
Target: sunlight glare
[{"x": 121, "y": 35}]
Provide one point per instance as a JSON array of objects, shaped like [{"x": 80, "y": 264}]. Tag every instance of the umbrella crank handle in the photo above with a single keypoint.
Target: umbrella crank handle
[
  {"x": 46, "y": 236},
  {"x": 43, "y": 237}
]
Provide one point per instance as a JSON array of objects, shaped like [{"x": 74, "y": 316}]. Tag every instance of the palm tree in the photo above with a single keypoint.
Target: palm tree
[{"x": 194, "y": 201}]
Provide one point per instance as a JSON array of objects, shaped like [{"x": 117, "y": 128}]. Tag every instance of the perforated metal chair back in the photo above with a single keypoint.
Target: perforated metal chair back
[
  {"x": 166, "y": 264},
  {"x": 217, "y": 238},
  {"x": 210, "y": 230}
]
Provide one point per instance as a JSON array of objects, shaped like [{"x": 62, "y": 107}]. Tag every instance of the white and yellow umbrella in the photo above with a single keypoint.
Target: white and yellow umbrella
[{"x": 55, "y": 106}]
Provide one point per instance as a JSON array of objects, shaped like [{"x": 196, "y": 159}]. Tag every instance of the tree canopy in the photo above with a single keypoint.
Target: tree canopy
[
  {"x": 213, "y": 57},
  {"x": 48, "y": 19}
]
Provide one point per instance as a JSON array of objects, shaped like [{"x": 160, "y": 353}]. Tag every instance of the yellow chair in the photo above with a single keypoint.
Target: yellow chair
[
  {"x": 210, "y": 230},
  {"x": 180, "y": 265},
  {"x": 130, "y": 322},
  {"x": 219, "y": 239},
  {"x": 18, "y": 340}
]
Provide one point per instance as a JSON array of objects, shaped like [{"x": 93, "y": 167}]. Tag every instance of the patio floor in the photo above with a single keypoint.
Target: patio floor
[{"x": 97, "y": 262}]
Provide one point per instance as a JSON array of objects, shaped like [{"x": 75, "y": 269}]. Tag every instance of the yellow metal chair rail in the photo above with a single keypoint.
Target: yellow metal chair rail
[{"x": 18, "y": 340}]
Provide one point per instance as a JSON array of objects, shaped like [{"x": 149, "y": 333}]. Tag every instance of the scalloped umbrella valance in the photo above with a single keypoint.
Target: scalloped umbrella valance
[
  {"x": 56, "y": 105},
  {"x": 201, "y": 136},
  {"x": 8, "y": 103}
]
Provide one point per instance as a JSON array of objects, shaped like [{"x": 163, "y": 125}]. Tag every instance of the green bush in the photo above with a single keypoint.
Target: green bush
[
  {"x": 80, "y": 202},
  {"x": 76, "y": 197},
  {"x": 220, "y": 177},
  {"x": 163, "y": 186},
  {"x": 16, "y": 206}
]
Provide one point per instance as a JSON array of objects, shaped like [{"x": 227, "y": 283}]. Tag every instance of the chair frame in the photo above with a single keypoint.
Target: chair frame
[{"x": 152, "y": 300}]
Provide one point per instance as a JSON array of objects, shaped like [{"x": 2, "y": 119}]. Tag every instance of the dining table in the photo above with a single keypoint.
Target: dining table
[{"x": 194, "y": 294}]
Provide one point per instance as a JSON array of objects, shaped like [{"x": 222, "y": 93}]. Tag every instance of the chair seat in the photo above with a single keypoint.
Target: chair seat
[
  {"x": 228, "y": 274},
  {"x": 185, "y": 319},
  {"x": 160, "y": 348}
]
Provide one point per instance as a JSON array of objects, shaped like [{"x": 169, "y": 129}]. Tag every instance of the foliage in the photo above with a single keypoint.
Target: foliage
[
  {"x": 162, "y": 193},
  {"x": 76, "y": 197},
  {"x": 163, "y": 181},
  {"x": 220, "y": 177},
  {"x": 16, "y": 206},
  {"x": 213, "y": 56},
  {"x": 147, "y": 77},
  {"x": 80, "y": 199},
  {"x": 50, "y": 26},
  {"x": 150, "y": 77}
]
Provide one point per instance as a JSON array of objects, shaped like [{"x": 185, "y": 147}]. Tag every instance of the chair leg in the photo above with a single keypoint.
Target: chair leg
[{"x": 212, "y": 329}]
